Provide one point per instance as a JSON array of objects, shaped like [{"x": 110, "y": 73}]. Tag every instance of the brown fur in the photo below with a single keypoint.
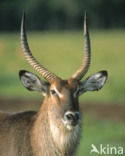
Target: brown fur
[
  {"x": 49, "y": 132},
  {"x": 32, "y": 134},
  {"x": 14, "y": 134}
]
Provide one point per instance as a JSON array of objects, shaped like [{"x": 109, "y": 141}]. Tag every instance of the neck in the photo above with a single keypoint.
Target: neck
[{"x": 47, "y": 139}]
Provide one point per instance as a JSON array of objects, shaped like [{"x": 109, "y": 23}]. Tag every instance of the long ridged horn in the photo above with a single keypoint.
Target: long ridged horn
[
  {"x": 87, "y": 54},
  {"x": 49, "y": 76}
]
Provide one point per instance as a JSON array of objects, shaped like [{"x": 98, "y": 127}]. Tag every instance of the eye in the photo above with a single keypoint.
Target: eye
[{"x": 53, "y": 92}]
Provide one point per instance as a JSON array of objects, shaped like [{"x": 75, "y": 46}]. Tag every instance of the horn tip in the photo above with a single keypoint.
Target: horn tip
[
  {"x": 23, "y": 22},
  {"x": 85, "y": 23},
  {"x": 85, "y": 14},
  {"x": 23, "y": 16}
]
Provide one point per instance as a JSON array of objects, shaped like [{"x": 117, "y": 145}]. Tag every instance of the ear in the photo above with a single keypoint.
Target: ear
[
  {"x": 94, "y": 82},
  {"x": 33, "y": 82}
]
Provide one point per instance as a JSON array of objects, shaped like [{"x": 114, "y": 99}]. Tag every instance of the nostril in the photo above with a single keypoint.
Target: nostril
[
  {"x": 69, "y": 116},
  {"x": 77, "y": 116},
  {"x": 72, "y": 116}
]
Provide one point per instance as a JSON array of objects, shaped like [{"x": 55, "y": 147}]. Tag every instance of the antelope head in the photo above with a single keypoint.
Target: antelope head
[{"x": 61, "y": 95}]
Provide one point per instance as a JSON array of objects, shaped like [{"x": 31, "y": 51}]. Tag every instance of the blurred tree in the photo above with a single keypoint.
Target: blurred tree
[{"x": 61, "y": 14}]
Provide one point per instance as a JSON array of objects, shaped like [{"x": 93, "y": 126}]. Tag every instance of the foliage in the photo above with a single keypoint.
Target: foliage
[{"x": 60, "y": 14}]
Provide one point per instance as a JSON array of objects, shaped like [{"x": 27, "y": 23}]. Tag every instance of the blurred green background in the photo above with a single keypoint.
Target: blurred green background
[
  {"x": 55, "y": 35},
  {"x": 62, "y": 53}
]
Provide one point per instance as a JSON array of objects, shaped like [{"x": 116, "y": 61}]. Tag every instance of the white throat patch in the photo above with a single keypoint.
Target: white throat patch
[{"x": 64, "y": 136}]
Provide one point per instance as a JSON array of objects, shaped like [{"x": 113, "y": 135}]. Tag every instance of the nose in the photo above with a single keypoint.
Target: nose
[{"x": 72, "y": 117}]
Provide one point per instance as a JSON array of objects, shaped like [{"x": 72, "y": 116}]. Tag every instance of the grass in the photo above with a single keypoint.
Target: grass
[
  {"x": 100, "y": 131},
  {"x": 62, "y": 53}
]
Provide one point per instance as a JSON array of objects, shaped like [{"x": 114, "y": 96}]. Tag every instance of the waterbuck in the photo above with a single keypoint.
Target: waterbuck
[{"x": 55, "y": 129}]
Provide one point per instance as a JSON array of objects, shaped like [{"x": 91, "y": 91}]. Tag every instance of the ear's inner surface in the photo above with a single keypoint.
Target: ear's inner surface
[
  {"x": 33, "y": 82},
  {"x": 93, "y": 83}
]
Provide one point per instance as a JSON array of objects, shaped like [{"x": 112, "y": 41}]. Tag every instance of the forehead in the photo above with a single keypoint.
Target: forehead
[{"x": 67, "y": 84}]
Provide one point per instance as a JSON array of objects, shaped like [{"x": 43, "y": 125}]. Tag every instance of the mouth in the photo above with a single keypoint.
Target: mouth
[{"x": 70, "y": 126}]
